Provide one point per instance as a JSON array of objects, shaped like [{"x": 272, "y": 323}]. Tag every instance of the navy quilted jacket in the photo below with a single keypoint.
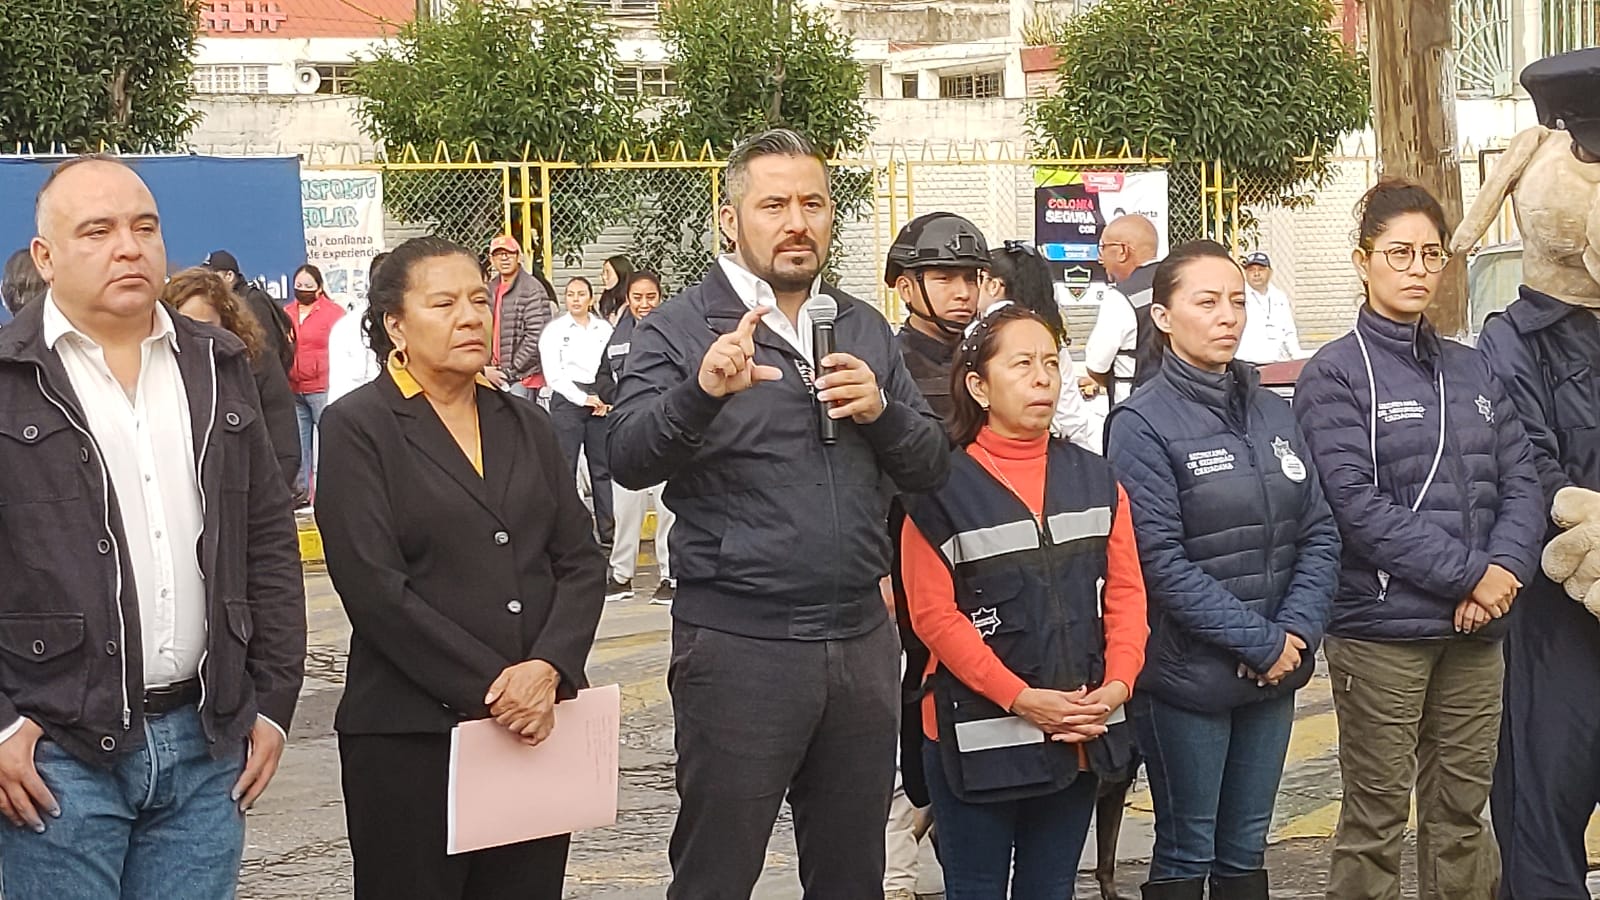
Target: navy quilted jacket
[
  {"x": 1484, "y": 504},
  {"x": 1236, "y": 541}
]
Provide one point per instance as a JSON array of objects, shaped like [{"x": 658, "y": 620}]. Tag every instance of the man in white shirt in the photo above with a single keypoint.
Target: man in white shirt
[
  {"x": 152, "y": 618},
  {"x": 1269, "y": 330},
  {"x": 1120, "y": 347},
  {"x": 571, "y": 350},
  {"x": 350, "y": 361}
]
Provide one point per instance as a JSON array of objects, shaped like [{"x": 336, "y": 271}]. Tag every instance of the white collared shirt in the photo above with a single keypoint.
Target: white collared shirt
[
  {"x": 350, "y": 361},
  {"x": 570, "y": 354},
  {"x": 1269, "y": 331},
  {"x": 146, "y": 443},
  {"x": 753, "y": 291}
]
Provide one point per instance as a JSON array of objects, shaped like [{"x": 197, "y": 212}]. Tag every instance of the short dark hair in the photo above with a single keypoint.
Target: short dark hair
[
  {"x": 579, "y": 279},
  {"x": 66, "y": 166},
  {"x": 773, "y": 142},
  {"x": 1390, "y": 199},
  {"x": 973, "y": 354},
  {"x": 372, "y": 267},
  {"x": 1165, "y": 283},
  {"x": 641, "y": 275},
  {"x": 387, "y": 292},
  {"x": 21, "y": 283}
]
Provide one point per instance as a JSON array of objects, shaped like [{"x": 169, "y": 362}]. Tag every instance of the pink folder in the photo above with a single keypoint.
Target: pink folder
[{"x": 504, "y": 792}]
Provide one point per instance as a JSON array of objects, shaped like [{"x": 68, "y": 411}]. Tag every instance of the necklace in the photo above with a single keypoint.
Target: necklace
[{"x": 1000, "y": 474}]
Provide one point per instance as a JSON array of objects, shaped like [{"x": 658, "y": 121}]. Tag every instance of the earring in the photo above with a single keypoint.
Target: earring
[
  {"x": 984, "y": 406},
  {"x": 398, "y": 358}
]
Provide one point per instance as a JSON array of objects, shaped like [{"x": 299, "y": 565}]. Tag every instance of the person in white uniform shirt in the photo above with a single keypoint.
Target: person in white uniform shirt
[
  {"x": 1122, "y": 349},
  {"x": 572, "y": 349},
  {"x": 642, "y": 293},
  {"x": 350, "y": 362},
  {"x": 1269, "y": 331},
  {"x": 152, "y": 617}
]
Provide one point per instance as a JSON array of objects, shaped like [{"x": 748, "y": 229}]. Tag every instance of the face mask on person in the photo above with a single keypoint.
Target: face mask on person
[{"x": 306, "y": 296}]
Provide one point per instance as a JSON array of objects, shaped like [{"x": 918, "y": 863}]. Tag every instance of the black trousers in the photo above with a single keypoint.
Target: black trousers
[
  {"x": 1547, "y": 778},
  {"x": 577, "y": 428},
  {"x": 395, "y": 789},
  {"x": 758, "y": 719}
]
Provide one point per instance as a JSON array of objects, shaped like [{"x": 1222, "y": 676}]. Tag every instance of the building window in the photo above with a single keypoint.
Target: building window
[
  {"x": 243, "y": 79},
  {"x": 1483, "y": 48},
  {"x": 979, "y": 86},
  {"x": 1569, "y": 25},
  {"x": 336, "y": 78},
  {"x": 874, "y": 80},
  {"x": 908, "y": 87},
  {"x": 650, "y": 82}
]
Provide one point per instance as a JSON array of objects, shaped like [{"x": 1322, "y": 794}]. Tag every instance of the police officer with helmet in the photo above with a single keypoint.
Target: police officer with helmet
[{"x": 934, "y": 266}]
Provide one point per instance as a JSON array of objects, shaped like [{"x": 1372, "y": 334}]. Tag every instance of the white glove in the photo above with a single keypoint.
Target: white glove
[{"x": 1573, "y": 557}]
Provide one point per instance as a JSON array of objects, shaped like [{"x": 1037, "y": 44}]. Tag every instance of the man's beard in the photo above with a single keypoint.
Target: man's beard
[{"x": 790, "y": 279}]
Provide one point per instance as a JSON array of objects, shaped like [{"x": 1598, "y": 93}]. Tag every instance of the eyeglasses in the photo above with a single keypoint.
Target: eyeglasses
[
  {"x": 1434, "y": 258},
  {"x": 1104, "y": 244}
]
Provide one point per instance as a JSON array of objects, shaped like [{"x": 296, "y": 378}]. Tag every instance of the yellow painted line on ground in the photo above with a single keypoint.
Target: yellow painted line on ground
[
  {"x": 1319, "y": 823},
  {"x": 612, "y": 649},
  {"x": 643, "y": 694},
  {"x": 310, "y": 543}
]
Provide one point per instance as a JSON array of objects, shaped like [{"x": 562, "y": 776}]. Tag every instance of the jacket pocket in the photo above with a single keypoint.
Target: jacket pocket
[
  {"x": 42, "y": 669},
  {"x": 226, "y": 664},
  {"x": 32, "y": 441}
]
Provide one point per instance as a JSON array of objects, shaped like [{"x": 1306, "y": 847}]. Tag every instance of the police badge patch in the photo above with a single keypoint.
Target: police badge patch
[{"x": 986, "y": 620}]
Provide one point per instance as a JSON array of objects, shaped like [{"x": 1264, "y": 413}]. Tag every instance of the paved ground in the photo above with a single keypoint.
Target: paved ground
[{"x": 296, "y": 846}]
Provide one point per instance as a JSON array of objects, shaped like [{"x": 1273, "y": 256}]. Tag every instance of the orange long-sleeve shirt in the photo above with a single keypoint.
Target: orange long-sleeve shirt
[{"x": 951, "y": 637}]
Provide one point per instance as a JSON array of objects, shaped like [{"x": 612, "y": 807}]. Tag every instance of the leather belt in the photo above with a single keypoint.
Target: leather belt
[{"x": 158, "y": 701}]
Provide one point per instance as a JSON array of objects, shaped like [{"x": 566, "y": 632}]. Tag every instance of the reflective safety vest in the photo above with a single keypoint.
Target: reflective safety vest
[{"x": 1035, "y": 593}]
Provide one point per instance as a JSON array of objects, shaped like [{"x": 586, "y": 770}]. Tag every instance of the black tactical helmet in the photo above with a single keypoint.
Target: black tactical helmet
[{"x": 937, "y": 240}]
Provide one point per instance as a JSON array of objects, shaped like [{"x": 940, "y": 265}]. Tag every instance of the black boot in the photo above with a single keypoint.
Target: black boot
[
  {"x": 1251, "y": 886},
  {"x": 1180, "y": 889}
]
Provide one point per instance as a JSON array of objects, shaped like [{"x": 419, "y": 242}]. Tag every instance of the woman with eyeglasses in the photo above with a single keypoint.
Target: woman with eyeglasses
[
  {"x": 1432, "y": 481},
  {"x": 1018, "y": 274}
]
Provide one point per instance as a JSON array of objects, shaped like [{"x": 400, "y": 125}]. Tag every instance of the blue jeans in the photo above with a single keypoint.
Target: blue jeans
[
  {"x": 308, "y": 412},
  {"x": 980, "y": 842},
  {"x": 159, "y": 824},
  {"x": 1214, "y": 779}
]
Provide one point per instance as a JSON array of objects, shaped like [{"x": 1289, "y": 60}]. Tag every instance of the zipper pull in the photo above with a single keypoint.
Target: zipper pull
[
  {"x": 127, "y": 717},
  {"x": 1383, "y": 585}
]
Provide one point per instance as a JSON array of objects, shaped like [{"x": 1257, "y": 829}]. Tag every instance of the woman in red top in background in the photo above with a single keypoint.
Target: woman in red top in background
[
  {"x": 313, "y": 315},
  {"x": 1023, "y": 580}
]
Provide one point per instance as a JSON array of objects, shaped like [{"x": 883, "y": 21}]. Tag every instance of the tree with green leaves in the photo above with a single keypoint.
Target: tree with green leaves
[
  {"x": 523, "y": 82},
  {"x": 1262, "y": 85},
  {"x": 83, "y": 74},
  {"x": 742, "y": 67}
]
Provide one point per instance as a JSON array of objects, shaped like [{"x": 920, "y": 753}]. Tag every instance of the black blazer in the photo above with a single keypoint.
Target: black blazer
[{"x": 448, "y": 577}]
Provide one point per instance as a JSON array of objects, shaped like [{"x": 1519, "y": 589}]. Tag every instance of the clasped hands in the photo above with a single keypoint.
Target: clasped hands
[
  {"x": 523, "y": 699},
  {"x": 1071, "y": 717}
]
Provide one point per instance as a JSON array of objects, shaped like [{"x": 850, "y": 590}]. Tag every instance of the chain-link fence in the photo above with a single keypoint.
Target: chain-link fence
[{"x": 659, "y": 208}]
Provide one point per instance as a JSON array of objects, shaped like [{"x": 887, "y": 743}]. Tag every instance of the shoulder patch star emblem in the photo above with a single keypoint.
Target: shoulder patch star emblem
[
  {"x": 1485, "y": 409},
  {"x": 1280, "y": 447}
]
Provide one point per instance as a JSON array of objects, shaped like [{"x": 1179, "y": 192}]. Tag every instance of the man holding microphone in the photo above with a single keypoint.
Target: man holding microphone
[{"x": 784, "y": 673}]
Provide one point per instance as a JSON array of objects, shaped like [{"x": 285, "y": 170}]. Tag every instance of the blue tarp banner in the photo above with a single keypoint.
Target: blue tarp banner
[{"x": 250, "y": 207}]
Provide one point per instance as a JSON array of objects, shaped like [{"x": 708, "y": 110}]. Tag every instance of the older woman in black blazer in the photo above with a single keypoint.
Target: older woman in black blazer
[{"x": 463, "y": 556}]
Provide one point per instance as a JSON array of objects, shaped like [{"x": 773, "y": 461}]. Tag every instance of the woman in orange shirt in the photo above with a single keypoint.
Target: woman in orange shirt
[{"x": 1023, "y": 581}]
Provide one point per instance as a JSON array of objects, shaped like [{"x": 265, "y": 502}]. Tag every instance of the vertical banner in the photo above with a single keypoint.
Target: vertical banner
[
  {"x": 1071, "y": 209},
  {"x": 343, "y": 212}
]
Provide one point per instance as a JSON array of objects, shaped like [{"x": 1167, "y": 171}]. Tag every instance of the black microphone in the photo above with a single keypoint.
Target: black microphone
[{"x": 822, "y": 310}]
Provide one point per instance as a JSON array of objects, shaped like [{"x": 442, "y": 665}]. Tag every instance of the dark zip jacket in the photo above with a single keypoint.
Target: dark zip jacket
[
  {"x": 777, "y": 536},
  {"x": 1483, "y": 505},
  {"x": 70, "y": 656},
  {"x": 1238, "y": 545}
]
